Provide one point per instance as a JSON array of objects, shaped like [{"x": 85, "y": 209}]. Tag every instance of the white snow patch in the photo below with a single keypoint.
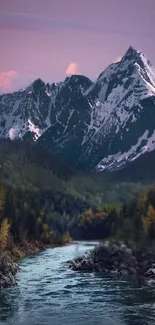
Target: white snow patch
[
  {"x": 37, "y": 132},
  {"x": 134, "y": 119},
  {"x": 125, "y": 79},
  {"x": 14, "y": 133},
  {"x": 48, "y": 93},
  {"x": 48, "y": 121},
  {"x": 129, "y": 155}
]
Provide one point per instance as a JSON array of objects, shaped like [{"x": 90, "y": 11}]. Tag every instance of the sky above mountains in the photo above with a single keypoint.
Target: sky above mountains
[{"x": 54, "y": 38}]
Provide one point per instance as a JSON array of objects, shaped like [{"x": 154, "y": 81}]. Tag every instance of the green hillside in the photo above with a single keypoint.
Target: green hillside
[{"x": 42, "y": 198}]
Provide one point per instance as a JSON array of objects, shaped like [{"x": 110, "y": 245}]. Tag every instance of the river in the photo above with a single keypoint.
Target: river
[{"x": 48, "y": 292}]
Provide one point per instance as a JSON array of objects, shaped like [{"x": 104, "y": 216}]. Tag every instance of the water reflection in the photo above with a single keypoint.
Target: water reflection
[
  {"x": 9, "y": 305},
  {"x": 137, "y": 301}
]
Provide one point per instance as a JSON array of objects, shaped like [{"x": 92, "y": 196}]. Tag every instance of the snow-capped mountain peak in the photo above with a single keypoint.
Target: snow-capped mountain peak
[{"x": 105, "y": 124}]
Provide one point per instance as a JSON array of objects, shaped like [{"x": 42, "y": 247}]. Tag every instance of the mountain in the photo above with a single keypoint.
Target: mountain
[
  {"x": 96, "y": 126},
  {"x": 137, "y": 170}
]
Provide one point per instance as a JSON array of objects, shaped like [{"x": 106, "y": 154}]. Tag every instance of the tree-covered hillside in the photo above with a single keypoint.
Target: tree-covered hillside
[
  {"x": 30, "y": 166},
  {"x": 43, "y": 200},
  {"x": 132, "y": 222}
]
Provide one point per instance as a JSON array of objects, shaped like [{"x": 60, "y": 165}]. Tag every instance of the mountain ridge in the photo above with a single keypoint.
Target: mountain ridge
[{"x": 98, "y": 125}]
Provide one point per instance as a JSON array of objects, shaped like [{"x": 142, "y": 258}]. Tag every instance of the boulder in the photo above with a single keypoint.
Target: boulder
[
  {"x": 116, "y": 259},
  {"x": 150, "y": 272}
]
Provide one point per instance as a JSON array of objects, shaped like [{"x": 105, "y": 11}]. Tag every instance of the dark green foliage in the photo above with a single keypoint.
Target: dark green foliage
[
  {"x": 96, "y": 223},
  {"x": 37, "y": 203},
  {"x": 134, "y": 222},
  {"x": 28, "y": 212},
  {"x": 27, "y": 153},
  {"x": 29, "y": 166},
  {"x": 44, "y": 199}
]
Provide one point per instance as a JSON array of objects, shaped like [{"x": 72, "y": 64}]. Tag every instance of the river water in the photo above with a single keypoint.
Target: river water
[{"x": 50, "y": 293}]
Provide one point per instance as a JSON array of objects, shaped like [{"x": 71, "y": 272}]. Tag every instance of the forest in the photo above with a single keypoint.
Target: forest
[
  {"x": 134, "y": 221},
  {"x": 47, "y": 203}
]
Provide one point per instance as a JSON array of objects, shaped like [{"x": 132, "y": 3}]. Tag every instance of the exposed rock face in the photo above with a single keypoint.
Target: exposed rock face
[
  {"x": 101, "y": 125},
  {"x": 116, "y": 259},
  {"x": 8, "y": 270}
]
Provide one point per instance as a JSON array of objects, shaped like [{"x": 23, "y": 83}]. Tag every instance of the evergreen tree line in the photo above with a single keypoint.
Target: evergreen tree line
[
  {"x": 29, "y": 215},
  {"x": 52, "y": 218},
  {"x": 128, "y": 222},
  {"x": 45, "y": 201}
]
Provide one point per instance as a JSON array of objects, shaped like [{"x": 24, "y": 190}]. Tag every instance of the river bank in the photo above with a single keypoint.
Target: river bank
[
  {"x": 104, "y": 258},
  {"x": 8, "y": 270},
  {"x": 117, "y": 259},
  {"x": 9, "y": 260},
  {"x": 48, "y": 292}
]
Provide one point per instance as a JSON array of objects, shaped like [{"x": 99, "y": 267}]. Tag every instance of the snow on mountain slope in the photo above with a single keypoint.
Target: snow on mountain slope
[
  {"x": 119, "y": 159},
  {"x": 20, "y": 112},
  {"x": 101, "y": 125},
  {"x": 123, "y": 85},
  {"x": 116, "y": 101}
]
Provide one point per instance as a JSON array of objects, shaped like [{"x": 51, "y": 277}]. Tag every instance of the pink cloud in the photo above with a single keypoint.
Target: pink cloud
[
  {"x": 72, "y": 68},
  {"x": 118, "y": 59},
  {"x": 6, "y": 80}
]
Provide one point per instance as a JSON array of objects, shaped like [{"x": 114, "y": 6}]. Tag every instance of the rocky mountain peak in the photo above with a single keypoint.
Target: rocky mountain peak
[
  {"x": 103, "y": 124},
  {"x": 131, "y": 51},
  {"x": 38, "y": 85}
]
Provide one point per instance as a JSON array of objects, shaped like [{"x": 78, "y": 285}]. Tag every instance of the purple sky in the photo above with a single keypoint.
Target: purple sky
[{"x": 41, "y": 38}]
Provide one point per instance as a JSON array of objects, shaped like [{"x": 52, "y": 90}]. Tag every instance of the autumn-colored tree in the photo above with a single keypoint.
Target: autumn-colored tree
[
  {"x": 149, "y": 221},
  {"x": 45, "y": 235},
  {"x": 142, "y": 202},
  {"x": 53, "y": 237},
  {"x": 4, "y": 233},
  {"x": 67, "y": 237}
]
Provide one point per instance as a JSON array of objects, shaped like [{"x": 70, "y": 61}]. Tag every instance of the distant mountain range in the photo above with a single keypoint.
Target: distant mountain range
[{"x": 94, "y": 126}]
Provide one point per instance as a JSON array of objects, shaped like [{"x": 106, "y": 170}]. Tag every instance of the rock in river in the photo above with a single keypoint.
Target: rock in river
[{"x": 116, "y": 259}]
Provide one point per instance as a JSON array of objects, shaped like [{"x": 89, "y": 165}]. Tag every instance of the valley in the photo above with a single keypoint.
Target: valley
[{"x": 77, "y": 163}]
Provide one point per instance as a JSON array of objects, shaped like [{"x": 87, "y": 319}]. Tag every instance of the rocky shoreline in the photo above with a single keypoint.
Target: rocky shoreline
[
  {"x": 117, "y": 259},
  {"x": 8, "y": 270},
  {"x": 8, "y": 265}
]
